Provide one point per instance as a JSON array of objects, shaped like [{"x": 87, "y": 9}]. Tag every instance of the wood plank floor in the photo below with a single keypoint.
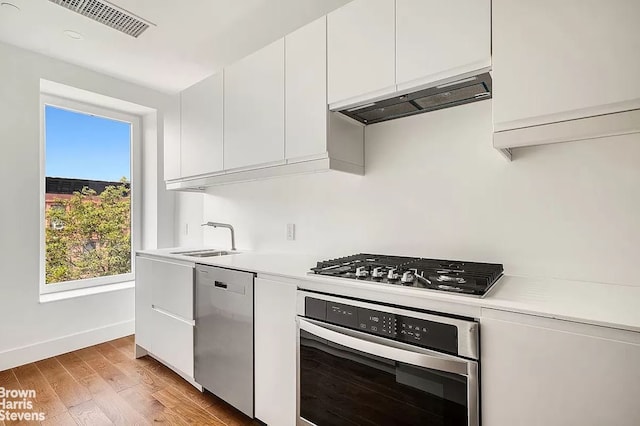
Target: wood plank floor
[{"x": 106, "y": 385}]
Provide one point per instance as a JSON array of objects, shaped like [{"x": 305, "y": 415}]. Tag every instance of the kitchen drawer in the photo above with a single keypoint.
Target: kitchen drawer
[
  {"x": 172, "y": 341},
  {"x": 172, "y": 288}
]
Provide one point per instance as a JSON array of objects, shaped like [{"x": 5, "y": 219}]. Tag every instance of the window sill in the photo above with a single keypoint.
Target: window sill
[{"x": 89, "y": 291}]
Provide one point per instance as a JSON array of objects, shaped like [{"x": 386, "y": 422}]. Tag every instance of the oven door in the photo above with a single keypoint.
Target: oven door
[{"x": 346, "y": 377}]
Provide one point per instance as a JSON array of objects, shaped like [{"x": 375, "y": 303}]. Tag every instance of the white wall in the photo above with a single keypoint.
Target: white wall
[
  {"x": 29, "y": 329},
  {"x": 434, "y": 187},
  {"x": 189, "y": 209}
]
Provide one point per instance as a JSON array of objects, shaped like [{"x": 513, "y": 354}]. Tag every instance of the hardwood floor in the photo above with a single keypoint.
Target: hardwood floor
[{"x": 106, "y": 385}]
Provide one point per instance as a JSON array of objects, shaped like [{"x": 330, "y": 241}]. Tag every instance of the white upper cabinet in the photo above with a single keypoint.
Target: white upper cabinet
[
  {"x": 202, "y": 122},
  {"x": 361, "y": 51},
  {"x": 437, "y": 40},
  {"x": 267, "y": 114},
  {"x": 306, "y": 90},
  {"x": 563, "y": 60},
  {"x": 254, "y": 109}
]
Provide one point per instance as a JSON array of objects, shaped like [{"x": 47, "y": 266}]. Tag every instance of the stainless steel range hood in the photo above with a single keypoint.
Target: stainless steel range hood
[{"x": 448, "y": 95}]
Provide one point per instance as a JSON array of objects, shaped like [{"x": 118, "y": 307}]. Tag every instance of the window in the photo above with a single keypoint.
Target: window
[{"x": 90, "y": 210}]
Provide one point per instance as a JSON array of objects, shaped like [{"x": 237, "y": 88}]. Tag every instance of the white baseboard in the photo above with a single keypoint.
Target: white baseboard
[{"x": 48, "y": 348}]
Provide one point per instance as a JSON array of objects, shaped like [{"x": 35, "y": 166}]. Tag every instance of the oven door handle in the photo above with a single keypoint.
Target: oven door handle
[{"x": 365, "y": 343}]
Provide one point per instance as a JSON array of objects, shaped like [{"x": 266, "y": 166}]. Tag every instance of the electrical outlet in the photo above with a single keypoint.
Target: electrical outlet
[{"x": 291, "y": 231}]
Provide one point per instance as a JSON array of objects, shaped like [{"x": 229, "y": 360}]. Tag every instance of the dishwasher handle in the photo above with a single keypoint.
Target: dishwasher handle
[
  {"x": 230, "y": 286},
  {"x": 218, "y": 280}
]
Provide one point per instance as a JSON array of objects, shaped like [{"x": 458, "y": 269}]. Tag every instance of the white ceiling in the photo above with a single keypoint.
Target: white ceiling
[{"x": 192, "y": 39}]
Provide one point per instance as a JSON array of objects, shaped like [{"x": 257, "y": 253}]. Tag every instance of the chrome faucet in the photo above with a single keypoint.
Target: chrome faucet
[{"x": 224, "y": 225}]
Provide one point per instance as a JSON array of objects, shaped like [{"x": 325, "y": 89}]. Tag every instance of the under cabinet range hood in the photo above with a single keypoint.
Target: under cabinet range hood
[{"x": 448, "y": 95}]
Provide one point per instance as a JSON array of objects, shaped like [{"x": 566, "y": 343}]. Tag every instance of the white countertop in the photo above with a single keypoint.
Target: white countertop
[{"x": 609, "y": 305}]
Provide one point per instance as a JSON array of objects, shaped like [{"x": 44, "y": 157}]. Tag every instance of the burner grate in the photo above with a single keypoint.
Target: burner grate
[{"x": 473, "y": 278}]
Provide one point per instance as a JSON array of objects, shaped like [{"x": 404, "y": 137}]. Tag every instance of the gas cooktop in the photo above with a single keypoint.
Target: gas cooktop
[{"x": 469, "y": 278}]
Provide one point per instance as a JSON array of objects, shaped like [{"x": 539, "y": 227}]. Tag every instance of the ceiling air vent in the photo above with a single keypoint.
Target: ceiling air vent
[{"x": 107, "y": 14}]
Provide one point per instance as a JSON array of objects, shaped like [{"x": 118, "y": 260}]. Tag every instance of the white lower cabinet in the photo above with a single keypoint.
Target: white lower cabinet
[
  {"x": 172, "y": 339},
  {"x": 164, "y": 312},
  {"x": 144, "y": 276},
  {"x": 172, "y": 289},
  {"x": 275, "y": 352},
  {"x": 544, "y": 372}
]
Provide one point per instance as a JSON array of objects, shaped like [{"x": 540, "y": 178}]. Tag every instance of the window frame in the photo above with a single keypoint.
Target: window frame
[{"x": 135, "y": 185}]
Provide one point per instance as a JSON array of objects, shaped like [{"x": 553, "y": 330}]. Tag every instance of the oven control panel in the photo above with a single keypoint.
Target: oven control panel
[
  {"x": 377, "y": 322},
  {"x": 416, "y": 331}
]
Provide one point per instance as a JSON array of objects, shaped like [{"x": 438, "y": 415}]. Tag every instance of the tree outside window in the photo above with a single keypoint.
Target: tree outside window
[{"x": 90, "y": 235}]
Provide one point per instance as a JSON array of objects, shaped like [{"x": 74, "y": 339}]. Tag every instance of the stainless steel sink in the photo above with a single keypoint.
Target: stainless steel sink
[{"x": 203, "y": 253}]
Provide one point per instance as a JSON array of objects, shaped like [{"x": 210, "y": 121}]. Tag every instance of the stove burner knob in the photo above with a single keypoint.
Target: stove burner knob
[
  {"x": 377, "y": 273},
  {"x": 361, "y": 272},
  {"x": 407, "y": 277},
  {"x": 392, "y": 275}
]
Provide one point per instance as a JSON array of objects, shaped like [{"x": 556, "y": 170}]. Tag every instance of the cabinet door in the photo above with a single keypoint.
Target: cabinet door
[
  {"x": 275, "y": 352},
  {"x": 546, "y": 372},
  {"x": 201, "y": 111},
  {"x": 144, "y": 279},
  {"x": 173, "y": 341},
  {"x": 254, "y": 108},
  {"x": 562, "y": 60},
  {"x": 436, "y": 40},
  {"x": 172, "y": 288},
  {"x": 306, "y": 90},
  {"x": 361, "y": 51}
]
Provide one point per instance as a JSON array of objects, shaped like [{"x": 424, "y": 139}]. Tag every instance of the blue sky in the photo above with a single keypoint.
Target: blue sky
[{"x": 86, "y": 147}]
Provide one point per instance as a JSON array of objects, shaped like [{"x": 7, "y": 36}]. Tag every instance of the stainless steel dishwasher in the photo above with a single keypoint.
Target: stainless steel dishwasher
[{"x": 224, "y": 335}]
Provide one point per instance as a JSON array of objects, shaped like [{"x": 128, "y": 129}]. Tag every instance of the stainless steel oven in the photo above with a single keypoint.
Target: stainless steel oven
[{"x": 363, "y": 363}]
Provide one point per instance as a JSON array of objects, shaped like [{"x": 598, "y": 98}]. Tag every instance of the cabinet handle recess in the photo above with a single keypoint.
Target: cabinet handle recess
[{"x": 220, "y": 284}]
